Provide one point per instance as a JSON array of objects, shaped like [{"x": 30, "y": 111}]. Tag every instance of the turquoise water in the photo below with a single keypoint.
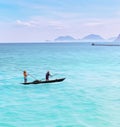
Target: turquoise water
[{"x": 89, "y": 97}]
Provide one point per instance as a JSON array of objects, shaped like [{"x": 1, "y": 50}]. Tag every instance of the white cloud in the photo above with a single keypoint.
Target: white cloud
[
  {"x": 24, "y": 23},
  {"x": 92, "y": 24},
  {"x": 39, "y": 22},
  {"x": 40, "y": 29}
]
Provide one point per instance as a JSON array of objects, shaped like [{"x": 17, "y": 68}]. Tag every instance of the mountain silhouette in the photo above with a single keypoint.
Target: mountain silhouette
[
  {"x": 117, "y": 39},
  {"x": 65, "y": 38},
  {"x": 92, "y": 37}
]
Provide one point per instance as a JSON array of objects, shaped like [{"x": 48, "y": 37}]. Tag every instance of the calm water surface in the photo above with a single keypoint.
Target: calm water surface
[{"x": 89, "y": 97}]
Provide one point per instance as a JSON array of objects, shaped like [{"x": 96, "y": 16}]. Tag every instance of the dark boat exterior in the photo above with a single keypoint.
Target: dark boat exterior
[
  {"x": 48, "y": 81},
  {"x": 93, "y": 44}
]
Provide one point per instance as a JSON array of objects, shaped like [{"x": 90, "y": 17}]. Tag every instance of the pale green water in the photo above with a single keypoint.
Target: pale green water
[{"x": 89, "y": 97}]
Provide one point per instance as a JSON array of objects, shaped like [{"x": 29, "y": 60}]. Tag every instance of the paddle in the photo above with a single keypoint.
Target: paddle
[
  {"x": 54, "y": 74},
  {"x": 32, "y": 76}
]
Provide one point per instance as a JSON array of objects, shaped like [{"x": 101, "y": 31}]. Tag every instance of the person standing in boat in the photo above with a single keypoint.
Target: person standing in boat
[
  {"x": 47, "y": 75},
  {"x": 25, "y": 76}
]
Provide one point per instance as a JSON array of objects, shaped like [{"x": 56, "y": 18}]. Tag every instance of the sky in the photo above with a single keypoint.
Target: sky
[{"x": 45, "y": 20}]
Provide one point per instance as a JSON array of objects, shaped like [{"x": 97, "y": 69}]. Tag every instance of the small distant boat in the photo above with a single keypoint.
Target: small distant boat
[
  {"x": 93, "y": 44},
  {"x": 48, "y": 81}
]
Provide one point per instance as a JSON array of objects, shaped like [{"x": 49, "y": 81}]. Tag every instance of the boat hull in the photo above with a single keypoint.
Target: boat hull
[{"x": 48, "y": 81}]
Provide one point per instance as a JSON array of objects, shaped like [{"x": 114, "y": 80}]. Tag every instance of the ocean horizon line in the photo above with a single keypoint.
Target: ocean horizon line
[{"x": 65, "y": 42}]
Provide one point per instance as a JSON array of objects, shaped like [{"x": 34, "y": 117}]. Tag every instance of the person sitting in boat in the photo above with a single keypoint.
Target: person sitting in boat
[
  {"x": 47, "y": 75},
  {"x": 25, "y": 76}
]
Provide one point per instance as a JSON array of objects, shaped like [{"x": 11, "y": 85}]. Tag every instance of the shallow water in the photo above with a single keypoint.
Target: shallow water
[{"x": 89, "y": 97}]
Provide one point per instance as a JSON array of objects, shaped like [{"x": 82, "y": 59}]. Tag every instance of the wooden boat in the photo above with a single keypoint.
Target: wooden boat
[{"x": 41, "y": 81}]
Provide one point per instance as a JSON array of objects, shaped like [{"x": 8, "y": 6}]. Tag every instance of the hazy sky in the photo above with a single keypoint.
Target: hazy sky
[{"x": 40, "y": 20}]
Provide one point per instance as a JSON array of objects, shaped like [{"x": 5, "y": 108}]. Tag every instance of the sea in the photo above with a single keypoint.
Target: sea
[{"x": 88, "y": 97}]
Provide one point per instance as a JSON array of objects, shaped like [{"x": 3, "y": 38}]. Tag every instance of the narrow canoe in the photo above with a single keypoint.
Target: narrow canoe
[{"x": 39, "y": 81}]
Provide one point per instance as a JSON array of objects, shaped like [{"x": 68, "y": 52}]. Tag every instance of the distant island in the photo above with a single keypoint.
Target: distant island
[
  {"x": 65, "y": 38},
  {"x": 88, "y": 38},
  {"x": 93, "y": 37},
  {"x": 117, "y": 39}
]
